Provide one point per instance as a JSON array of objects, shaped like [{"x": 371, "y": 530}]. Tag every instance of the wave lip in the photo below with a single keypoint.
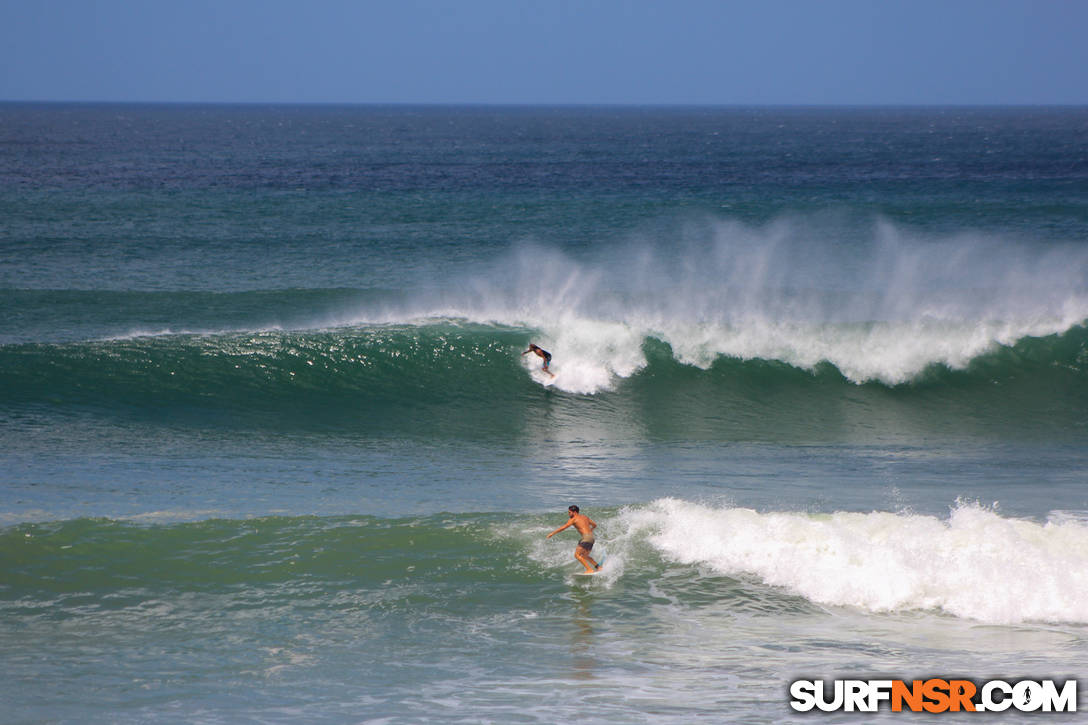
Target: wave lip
[{"x": 976, "y": 564}]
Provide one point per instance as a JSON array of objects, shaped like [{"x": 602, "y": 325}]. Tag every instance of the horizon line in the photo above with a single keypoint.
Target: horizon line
[{"x": 535, "y": 104}]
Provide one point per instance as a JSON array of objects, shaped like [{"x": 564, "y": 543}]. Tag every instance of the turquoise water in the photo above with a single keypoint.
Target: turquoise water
[{"x": 270, "y": 451}]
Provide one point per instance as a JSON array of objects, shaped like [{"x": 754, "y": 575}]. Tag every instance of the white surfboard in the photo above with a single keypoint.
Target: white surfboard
[{"x": 542, "y": 377}]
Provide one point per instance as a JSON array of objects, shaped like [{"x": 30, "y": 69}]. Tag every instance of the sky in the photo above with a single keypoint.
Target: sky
[{"x": 715, "y": 52}]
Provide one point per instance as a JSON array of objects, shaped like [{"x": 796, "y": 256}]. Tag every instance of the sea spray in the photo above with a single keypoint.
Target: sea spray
[{"x": 878, "y": 302}]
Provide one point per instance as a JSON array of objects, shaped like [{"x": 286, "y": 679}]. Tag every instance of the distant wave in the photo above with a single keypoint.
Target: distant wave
[
  {"x": 877, "y": 302},
  {"x": 470, "y": 378},
  {"x": 791, "y": 320},
  {"x": 436, "y": 356},
  {"x": 596, "y": 354}
]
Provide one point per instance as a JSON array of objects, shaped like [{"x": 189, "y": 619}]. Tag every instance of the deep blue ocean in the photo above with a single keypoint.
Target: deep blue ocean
[{"x": 270, "y": 452}]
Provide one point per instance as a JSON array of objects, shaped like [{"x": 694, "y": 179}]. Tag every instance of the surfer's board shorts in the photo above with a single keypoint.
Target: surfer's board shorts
[{"x": 587, "y": 545}]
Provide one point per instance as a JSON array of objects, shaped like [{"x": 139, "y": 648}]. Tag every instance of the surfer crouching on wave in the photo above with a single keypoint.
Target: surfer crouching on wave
[
  {"x": 542, "y": 353},
  {"x": 585, "y": 526}
]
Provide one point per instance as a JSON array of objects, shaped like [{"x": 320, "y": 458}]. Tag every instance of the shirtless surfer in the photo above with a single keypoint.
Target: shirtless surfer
[
  {"x": 585, "y": 526},
  {"x": 542, "y": 353}
]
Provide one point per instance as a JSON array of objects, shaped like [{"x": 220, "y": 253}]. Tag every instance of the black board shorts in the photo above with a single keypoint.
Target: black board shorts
[{"x": 587, "y": 545}]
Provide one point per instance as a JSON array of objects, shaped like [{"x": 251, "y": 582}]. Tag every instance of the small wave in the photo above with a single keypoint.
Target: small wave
[{"x": 975, "y": 564}]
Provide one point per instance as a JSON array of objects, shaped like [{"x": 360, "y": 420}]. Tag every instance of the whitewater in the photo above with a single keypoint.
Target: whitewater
[
  {"x": 974, "y": 563},
  {"x": 270, "y": 450}
]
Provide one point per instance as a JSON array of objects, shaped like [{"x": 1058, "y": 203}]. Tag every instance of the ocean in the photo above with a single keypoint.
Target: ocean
[{"x": 270, "y": 450}]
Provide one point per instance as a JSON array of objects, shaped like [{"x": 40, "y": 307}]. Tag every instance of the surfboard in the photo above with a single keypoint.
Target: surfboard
[{"x": 542, "y": 377}]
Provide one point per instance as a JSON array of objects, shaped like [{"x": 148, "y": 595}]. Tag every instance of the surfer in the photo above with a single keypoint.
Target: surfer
[
  {"x": 585, "y": 526},
  {"x": 542, "y": 353}
]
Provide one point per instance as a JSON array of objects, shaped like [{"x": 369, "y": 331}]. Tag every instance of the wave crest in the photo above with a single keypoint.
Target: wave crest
[
  {"x": 976, "y": 564},
  {"x": 879, "y": 303}
]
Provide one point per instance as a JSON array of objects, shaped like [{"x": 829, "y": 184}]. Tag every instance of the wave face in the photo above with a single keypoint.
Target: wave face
[
  {"x": 975, "y": 564},
  {"x": 471, "y": 377},
  {"x": 734, "y": 323}
]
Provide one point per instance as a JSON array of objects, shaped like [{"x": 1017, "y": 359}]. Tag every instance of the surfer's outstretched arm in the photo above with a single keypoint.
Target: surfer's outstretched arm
[{"x": 566, "y": 525}]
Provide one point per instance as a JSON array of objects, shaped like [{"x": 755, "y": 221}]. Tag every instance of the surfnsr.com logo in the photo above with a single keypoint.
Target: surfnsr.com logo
[{"x": 933, "y": 695}]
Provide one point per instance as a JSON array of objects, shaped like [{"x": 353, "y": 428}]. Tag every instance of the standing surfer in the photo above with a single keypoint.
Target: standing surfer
[
  {"x": 542, "y": 353},
  {"x": 585, "y": 526}
]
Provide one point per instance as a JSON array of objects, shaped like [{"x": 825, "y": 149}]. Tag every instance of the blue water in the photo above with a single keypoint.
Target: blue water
[{"x": 269, "y": 450}]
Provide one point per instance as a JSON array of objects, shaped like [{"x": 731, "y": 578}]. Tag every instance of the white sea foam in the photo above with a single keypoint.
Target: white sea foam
[
  {"x": 975, "y": 564},
  {"x": 593, "y": 355},
  {"x": 145, "y": 333},
  {"x": 878, "y": 303}
]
